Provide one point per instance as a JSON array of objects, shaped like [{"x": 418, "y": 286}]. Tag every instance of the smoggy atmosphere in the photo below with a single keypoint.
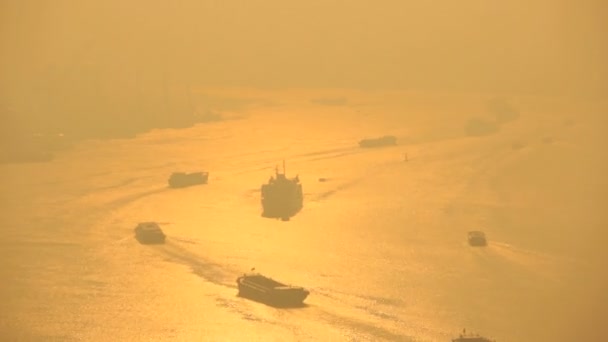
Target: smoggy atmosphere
[{"x": 321, "y": 170}]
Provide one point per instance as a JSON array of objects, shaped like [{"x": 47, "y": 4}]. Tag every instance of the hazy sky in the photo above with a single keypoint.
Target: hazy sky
[{"x": 486, "y": 45}]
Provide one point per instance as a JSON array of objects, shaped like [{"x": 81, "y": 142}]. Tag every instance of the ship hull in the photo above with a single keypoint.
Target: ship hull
[
  {"x": 477, "y": 239},
  {"x": 272, "y": 209},
  {"x": 178, "y": 180},
  {"x": 150, "y": 239},
  {"x": 279, "y": 296},
  {"x": 282, "y": 205},
  {"x": 472, "y": 339},
  {"x": 378, "y": 142},
  {"x": 149, "y": 233}
]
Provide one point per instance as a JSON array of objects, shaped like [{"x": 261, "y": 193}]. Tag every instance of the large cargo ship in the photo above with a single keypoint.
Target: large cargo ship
[{"x": 282, "y": 197}]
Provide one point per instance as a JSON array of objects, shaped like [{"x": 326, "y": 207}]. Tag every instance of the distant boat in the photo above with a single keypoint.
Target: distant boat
[
  {"x": 182, "y": 179},
  {"x": 464, "y": 337},
  {"x": 477, "y": 238},
  {"x": 149, "y": 233},
  {"x": 387, "y": 140},
  {"x": 260, "y": 288}
]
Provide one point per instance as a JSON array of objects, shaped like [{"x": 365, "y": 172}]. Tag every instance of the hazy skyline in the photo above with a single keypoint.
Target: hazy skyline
[
  {"x": 90, "y": 65},
  {"x": 516, "y": 46}
]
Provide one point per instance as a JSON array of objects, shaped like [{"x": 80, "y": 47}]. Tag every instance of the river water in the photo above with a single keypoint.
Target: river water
[{"x": 381, "y": 245}]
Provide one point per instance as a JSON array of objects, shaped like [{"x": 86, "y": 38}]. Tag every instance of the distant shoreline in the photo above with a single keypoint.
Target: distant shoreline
[
  {"x": 25, "y": 146},
  {"x": 26, "y": 139}
]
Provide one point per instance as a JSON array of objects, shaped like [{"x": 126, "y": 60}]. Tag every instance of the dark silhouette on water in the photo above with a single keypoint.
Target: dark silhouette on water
[
  {"x": 464, "y": 337},
  {"x": 182, "y": 179},
  {"x": 387, "y": 140},
  {"x": 282, "y": 197},
  {"x": 477, "y": 238},
  {"x": 149, "y": 233},
  {"x": 260, "y": 288}
]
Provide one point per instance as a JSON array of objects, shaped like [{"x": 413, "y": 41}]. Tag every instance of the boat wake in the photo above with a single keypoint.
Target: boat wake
[{"x": 207, "y": 269}]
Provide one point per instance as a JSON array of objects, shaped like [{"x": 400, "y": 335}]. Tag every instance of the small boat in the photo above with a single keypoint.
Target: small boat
[
  {"x": 477, "y": 238},
  {"x": 387, "y": 140},
  {"x": 183, "y": 179},
  {"x": 263, "y": 289},
  {"x": 149, "y": 233},
  {"x": 464, "y": 337}
]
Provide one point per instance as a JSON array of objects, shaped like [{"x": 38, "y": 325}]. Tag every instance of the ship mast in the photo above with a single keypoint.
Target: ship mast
[{"x": 276, "y": 169}]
